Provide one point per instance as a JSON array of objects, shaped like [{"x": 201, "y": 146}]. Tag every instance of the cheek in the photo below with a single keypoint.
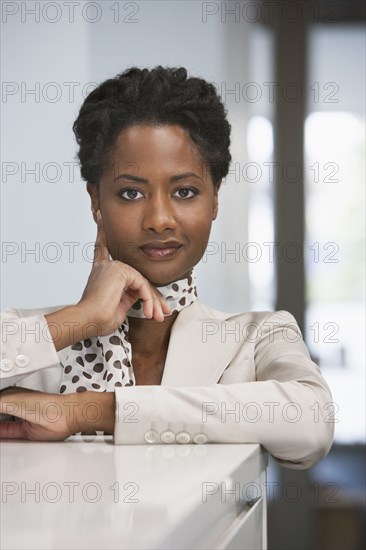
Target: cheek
[
  {"x": 199, "y": 231},
  {"x": 122, "y": 223},
  {"x": 118, "y": 236},
  {"x": 201, "y": 219}
]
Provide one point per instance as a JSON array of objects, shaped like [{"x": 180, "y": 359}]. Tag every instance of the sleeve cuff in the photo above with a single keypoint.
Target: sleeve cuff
[{"x": 26, "y": 346}]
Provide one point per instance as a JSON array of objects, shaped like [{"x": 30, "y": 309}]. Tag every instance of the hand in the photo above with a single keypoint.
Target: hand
[
  {"x": 113, "y": 287},
  {"x": 53, "y": 417},
  {"x": 41, "y": 416}
]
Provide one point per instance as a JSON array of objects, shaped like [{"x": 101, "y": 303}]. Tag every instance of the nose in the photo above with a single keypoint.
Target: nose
[{"x": 159, "y": 214}]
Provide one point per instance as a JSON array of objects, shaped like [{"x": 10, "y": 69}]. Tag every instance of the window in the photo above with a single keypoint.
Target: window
[{"x": 334, "y": 217}]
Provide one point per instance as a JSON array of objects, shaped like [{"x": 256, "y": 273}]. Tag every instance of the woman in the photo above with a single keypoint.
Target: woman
[{"x": 154, "y": 147}]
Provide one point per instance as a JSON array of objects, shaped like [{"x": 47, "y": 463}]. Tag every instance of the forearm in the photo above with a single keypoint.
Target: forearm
[{"x": 252, "y": 412}]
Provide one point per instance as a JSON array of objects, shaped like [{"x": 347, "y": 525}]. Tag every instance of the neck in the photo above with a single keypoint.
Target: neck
[{"x": 149, "y": 337}]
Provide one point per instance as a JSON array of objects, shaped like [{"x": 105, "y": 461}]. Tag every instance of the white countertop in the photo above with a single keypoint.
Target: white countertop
[{"x": 89, "y": 493}]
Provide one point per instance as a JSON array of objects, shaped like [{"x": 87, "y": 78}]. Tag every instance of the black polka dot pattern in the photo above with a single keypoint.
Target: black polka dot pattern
[{"x": 103, "y": 363}]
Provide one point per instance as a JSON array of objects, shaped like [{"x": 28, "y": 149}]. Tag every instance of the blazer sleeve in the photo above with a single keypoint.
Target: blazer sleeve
[
  {"x": 287, "y": 409},
  {"x": 26, "y": 346}
]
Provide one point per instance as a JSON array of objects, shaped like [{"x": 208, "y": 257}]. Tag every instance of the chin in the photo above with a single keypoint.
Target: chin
[{"x": 159, "y": 273}]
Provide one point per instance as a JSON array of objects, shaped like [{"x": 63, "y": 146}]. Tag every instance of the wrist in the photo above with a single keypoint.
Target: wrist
[
  {"x": 89, "y": 327},
  {"x": 92, "y": 411}
]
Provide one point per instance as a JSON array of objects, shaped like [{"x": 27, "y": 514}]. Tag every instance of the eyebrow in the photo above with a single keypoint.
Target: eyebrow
[{"x": 173, "y": 179}]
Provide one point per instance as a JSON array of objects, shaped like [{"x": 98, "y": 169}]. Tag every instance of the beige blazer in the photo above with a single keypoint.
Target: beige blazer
[{"x": 228, "y": 378}]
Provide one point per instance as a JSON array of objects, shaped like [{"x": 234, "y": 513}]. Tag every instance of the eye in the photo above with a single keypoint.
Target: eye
[
  {"x": 132, "y": 194},
  {"x": 187, "y": 190}
]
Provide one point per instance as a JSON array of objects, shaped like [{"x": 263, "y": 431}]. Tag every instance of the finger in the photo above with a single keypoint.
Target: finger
[
  {"x": 158, "y": 312},
  {"x": 148, "y": 306},
  {"x": 166, "y": 307},
  {"x": 164, "y": 303},
  {"x": 137, "y": 287},
  {"x": 145, "y": 293},
  {"x": 11, "y": 429},
  {"x": 161, "y": 308},
  {"x": 101, "y": 251},
  {"x": 154, "y": 304}
]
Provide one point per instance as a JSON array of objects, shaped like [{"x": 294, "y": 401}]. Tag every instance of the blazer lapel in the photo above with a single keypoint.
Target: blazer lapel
[{"x": 198, "y": 352}]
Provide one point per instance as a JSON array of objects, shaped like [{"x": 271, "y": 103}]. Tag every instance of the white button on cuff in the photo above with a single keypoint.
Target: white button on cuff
[
  {"x": 200, "y": 438},
  {"x": 183, "y": 437},
  {"x": 151, "y": 436},
  {"x": 22, "y": 360},
  {"x": 6, "y": 365},
  {"x": 167, "y": 437}
]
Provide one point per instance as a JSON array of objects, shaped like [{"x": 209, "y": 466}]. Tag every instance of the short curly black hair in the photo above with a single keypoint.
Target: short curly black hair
[{"x": 154, "y": 97}]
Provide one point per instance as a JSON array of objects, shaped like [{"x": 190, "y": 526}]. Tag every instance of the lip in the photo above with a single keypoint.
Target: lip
[
  {"x": 161, "y": 250},
  {"x": 160, "y": 245}
]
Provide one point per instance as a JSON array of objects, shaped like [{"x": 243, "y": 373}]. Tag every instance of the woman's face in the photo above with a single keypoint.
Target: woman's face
[{"x": 156, "y": 189}]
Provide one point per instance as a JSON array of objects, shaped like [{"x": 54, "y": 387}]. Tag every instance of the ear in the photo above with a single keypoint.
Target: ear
[
  {"x": 215, "y": 203},
  {"x": 93, "y": 192}
]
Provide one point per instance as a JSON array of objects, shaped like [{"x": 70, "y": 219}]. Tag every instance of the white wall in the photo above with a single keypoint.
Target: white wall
[{"x": 38, "y": 130}]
